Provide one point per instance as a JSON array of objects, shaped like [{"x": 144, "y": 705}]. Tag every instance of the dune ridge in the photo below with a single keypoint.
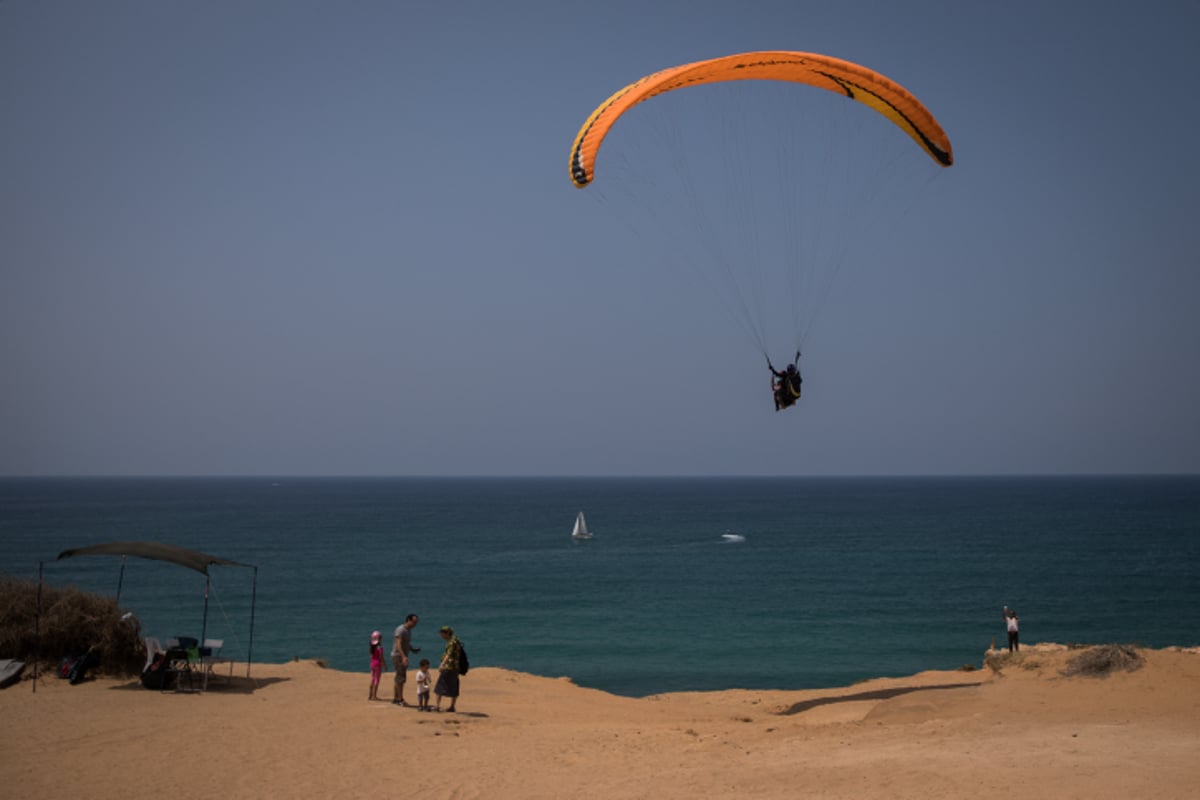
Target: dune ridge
[{"x": 299, "y": 730}]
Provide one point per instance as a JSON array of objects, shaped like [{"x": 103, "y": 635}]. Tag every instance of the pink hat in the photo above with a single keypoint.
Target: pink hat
[{"x": 376, "y": 637}]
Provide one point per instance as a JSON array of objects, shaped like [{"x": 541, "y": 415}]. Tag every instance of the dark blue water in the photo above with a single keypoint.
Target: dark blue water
[{"x": 837, "y": 579}]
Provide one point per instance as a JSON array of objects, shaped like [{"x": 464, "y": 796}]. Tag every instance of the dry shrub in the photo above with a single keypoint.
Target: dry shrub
[
  {"x": 1102, "y": 660},
  {"x": 72, "y": 621},
  {"x": 997, "y": 660}
]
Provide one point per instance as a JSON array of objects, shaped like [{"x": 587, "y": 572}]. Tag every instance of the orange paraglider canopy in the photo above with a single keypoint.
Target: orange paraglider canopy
[{"x": 832, "y": 74}]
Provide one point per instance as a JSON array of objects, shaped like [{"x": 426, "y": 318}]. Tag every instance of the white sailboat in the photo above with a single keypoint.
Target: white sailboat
[{"x": 581, "y": 529}]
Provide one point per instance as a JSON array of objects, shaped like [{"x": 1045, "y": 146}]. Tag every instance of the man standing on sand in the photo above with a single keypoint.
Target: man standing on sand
[
  {"x": 401, "y": 647},
  {"x": 1010, "y": 620}
]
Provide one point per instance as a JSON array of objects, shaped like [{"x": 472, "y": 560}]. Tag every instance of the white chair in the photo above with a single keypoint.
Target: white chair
[
  {"x": 153, "y": 648},
  {"x": 210, "y": 657},
  {"x": 166, "y": 676}
]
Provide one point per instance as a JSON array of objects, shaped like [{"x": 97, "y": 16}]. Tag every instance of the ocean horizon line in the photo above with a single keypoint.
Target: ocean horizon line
[{"x": 606, "y": 476}]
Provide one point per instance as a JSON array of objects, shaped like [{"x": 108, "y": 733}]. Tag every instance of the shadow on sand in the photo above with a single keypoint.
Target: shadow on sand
[
  {"x": 877, "y": 694},
  {"x": 224, "y": 685}
]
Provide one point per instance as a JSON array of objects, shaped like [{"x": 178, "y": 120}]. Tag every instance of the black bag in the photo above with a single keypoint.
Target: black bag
[
  {"x": 158, "y": 675},
  {"x": 463, "y": 664},
  {"x": 82, "y": 664}
]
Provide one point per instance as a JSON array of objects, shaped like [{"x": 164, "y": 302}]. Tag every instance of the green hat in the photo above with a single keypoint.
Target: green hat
[{"x": 447, "y": 629}]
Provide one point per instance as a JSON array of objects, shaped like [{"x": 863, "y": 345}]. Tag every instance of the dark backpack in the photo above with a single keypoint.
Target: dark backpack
[
  {"x": 80, "y": 666},
  {"x": 463, "y": 663},
  {"x": 158, "y": 675}
]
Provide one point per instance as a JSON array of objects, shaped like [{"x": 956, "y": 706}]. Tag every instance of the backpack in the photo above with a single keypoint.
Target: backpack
[
  {"x": 463, "y": 664},
  {"x": 82, "y": 664},
  {"x": 158, "y": 675}
]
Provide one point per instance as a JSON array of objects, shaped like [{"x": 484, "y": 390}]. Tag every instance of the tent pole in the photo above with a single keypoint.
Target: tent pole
[
  {"x": 204, "y": 622},
  {"x": 37, "y": 629},
  {"x": 253, "y": 600},
  {"x": 120, "y": 581}
]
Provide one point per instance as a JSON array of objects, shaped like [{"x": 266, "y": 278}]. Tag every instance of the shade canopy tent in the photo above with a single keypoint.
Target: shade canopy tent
[{"x": 157, "y": 551}]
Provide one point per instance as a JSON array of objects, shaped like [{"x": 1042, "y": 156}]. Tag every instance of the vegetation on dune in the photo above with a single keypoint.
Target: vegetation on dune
[
  {"x": 1091, "y": 661},
  {"x": 1103, "y": 660},
  {"x": 72, "y": 621}
]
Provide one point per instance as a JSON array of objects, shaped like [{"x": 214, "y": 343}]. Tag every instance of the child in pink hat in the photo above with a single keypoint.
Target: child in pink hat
[{"x": 377, "y": 664}]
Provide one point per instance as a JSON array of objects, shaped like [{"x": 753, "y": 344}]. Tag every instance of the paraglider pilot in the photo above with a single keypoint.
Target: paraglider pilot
[{"x": 785, "y": 385}]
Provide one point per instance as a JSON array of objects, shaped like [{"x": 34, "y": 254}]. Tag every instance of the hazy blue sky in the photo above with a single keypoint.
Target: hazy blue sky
[{"x": 339, "y": 238}]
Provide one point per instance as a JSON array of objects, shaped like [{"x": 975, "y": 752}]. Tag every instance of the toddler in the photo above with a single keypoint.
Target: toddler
[{"x": 423, "y": 686}]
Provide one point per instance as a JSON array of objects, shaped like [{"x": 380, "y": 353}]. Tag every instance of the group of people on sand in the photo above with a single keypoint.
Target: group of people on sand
[{"x": 448, "y": 669}]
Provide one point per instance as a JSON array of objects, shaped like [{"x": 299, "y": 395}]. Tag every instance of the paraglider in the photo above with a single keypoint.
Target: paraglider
[
  {"x": 785, "y": 385},
  {"x": 827, "y": 226},
  {"x": 833, "y": 74}
]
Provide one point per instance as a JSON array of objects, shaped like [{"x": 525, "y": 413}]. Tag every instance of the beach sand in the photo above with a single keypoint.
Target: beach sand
[{"x": 298, "y": 730}]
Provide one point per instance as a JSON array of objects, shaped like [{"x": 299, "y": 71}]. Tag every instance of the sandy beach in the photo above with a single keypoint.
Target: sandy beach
[{"x": 300, "y": 730}]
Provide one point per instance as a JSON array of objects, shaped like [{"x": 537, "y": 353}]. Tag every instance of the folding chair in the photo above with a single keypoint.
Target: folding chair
[
  {"x": 210, "y": 657},
  {"x": 153, "y": 648},
  {"x": 157, "y": 674},
  {"x": 184, "y": 657}
]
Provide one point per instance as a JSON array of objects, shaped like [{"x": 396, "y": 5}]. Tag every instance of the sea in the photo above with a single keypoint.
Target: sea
[{"x": 688, "y": 583}]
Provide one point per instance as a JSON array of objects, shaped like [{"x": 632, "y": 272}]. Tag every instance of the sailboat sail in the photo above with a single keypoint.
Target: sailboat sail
[{"x": 581, "y": 529}]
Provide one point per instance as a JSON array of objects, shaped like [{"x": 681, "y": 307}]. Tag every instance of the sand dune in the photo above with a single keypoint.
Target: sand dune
[{"x": 298, "y": 730}]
